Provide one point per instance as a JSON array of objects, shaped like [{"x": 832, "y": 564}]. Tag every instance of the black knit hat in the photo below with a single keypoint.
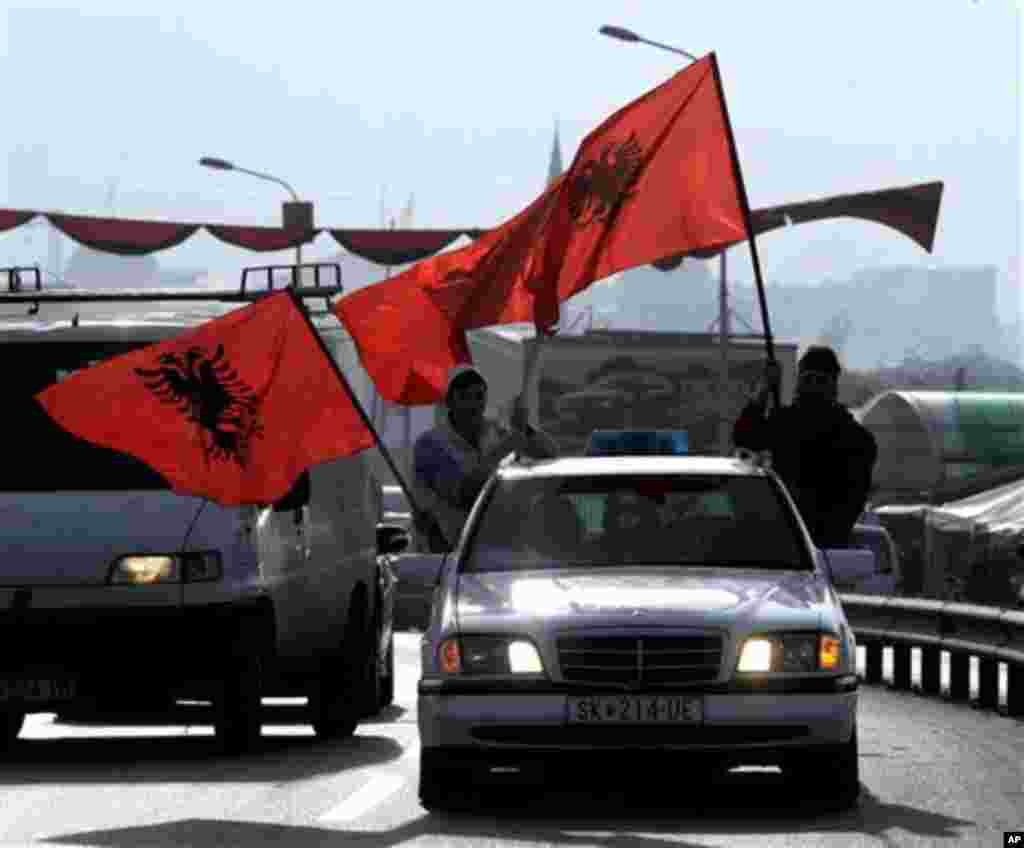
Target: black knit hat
[
  {"x": 820, "y": 358},
  {"x": 460, "y": 377}
]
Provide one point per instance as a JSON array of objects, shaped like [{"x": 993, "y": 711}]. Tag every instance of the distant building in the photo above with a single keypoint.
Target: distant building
[
  {"x": 892, "y": 312},
  {"x": 94, "y": 269},
  {"x": 644, "y": 298},
  {"x": 555, "y": 167}
]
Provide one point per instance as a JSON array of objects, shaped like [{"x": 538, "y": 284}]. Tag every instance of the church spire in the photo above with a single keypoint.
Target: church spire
[{"x": 555, "y": 165}]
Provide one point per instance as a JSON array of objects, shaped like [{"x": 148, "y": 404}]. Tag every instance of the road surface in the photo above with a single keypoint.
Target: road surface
[{"x": 933, "y": 773}]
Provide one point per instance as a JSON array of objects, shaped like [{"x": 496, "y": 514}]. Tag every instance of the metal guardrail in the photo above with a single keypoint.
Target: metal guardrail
[{"x": 991, "y": 634}]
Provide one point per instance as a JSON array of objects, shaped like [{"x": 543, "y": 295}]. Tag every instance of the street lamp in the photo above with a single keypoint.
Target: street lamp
[
  {"x": 623, "y": 34},
  {"x": 297, "y": 213},
  {"x": 724, "y": 330}
]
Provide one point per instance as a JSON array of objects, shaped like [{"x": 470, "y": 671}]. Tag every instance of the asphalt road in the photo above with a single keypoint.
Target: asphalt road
[{"x": 933, "y": 773}]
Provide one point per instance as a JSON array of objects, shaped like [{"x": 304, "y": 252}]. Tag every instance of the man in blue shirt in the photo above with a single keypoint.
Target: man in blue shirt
[{"x": 452, "y": 462}]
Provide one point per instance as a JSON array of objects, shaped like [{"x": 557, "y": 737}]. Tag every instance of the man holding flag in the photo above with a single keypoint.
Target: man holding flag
[{"x": 452, "y": 462}]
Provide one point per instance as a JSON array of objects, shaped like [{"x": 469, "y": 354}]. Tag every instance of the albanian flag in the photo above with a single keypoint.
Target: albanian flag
[
  {"x": 234, "y": 410},
  {"x": 656, "y": 179}
]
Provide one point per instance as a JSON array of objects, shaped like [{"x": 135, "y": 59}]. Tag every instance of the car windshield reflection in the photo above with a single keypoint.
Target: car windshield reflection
[{"x": 616, "y": 521}]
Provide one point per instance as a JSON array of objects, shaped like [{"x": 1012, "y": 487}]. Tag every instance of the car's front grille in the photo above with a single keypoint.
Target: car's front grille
[{"x": 647, "y": 659}]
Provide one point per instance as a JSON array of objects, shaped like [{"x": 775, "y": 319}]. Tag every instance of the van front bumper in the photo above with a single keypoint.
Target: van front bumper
[{"x": 89, "y": 651}]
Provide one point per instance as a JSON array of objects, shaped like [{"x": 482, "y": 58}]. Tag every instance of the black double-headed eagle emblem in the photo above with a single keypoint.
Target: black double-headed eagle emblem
[
  {"x": 209, "y": 393},
  {"x": 603, "y": 183}
]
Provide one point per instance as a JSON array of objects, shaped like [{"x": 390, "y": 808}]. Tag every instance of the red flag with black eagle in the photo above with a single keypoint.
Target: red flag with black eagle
[
  {"x": 234, "y": 410},
  {"x": 655, "y": 179}
]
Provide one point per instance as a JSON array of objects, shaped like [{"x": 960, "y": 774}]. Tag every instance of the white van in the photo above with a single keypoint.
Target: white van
[{"x": 281, "y": 600}]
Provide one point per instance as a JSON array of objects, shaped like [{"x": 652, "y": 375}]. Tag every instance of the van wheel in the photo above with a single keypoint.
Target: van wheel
[
  {"x": 833, "y": 766},
  {"x": 371, "y": 683},
  {"x": 11, "y": 722},
  {"x": 339, "y": 697},
  {"x": 387, "y": 686},
  {"x": 238, "y": 723}
]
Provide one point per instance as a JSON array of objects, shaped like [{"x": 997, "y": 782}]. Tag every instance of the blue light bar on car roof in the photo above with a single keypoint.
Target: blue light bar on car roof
[{"x": 638, "y": 443}]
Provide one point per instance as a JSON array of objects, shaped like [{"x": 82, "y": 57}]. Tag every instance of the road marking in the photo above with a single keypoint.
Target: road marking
[
  {"x": 375, "y": 792},
  {"x": 379, "y": 789}
]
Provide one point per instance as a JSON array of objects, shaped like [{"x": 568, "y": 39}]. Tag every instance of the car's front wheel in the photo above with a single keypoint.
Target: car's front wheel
[
  {"x": 11, "y": 721},
  {"x": 831, "y": 772}
]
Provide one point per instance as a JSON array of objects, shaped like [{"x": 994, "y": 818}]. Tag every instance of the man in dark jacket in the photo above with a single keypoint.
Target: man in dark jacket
[{"x": 823, "y": 455}]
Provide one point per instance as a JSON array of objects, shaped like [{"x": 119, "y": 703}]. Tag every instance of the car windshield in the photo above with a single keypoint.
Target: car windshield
[
  {"x": 45, "y": 457},
  {"x": 616, "y": 520}
]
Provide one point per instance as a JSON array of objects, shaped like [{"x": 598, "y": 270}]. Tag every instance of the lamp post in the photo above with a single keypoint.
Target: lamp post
[
  {"x": 296, "y": 213},
  {"x": 623, "y": 34},
  {"x": 724, "y": 430}
]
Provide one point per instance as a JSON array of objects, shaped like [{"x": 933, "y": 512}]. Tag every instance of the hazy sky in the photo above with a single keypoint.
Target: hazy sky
[{"x": 455, "y": 103}]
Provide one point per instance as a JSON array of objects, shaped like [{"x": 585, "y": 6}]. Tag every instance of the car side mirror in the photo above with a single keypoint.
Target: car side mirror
[
  {"x": 298, "y": 496},
  {"x": 392, "y": 539},
  {"x": 850, "y": 565}
]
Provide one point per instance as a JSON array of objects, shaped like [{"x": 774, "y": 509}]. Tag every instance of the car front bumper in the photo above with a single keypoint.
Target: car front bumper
[{"x": 747, "y": 727}]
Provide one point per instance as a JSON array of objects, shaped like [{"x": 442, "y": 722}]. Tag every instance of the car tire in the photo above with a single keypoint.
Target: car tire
[
  {"x": 372, "y": 682},
  {"x": 238, "y": 721},
  {"x": 340, "y": 696},
  {"x": 11, "y": 722},
  {"x": 440, "y": 786},
  {"x": 834, "y": 769},
  {"x": 387, "y": 684}
]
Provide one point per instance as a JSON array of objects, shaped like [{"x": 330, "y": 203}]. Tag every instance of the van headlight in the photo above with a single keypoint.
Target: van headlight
[
  {"x": 791, "y": 653},
  {"x": 149, "y": 569},
  {"x": 489, "y": 655}
]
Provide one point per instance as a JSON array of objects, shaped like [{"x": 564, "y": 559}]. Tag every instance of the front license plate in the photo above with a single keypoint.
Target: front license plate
[
  {"x": 636, "y": 709},
  {"x": 36, "y": 690}
]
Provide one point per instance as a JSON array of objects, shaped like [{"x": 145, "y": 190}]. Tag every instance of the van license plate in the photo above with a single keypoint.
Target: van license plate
[
  {"x": 36, "y": 690},
  {"x": 636, "y": 709}
]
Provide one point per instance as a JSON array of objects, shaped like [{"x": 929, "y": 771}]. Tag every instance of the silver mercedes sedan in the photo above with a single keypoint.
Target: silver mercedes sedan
[{"x": 600, "y": 612}]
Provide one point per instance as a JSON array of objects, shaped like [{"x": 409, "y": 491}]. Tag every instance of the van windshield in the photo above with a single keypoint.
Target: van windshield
[{"x": 43, "y": 457}]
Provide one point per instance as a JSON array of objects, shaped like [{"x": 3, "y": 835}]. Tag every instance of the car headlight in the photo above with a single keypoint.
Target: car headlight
[
  {"x": 490, "y": 655},
  {"x": 149, "y": 569},
  {"x": 791, "y": 653}
]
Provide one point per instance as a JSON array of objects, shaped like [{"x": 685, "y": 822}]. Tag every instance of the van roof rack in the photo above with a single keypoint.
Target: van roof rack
[{"x": 14, "y": 291}]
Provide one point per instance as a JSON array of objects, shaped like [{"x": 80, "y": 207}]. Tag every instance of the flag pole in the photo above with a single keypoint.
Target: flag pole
[
  {"x": 531, "y": 367},
  {"x": 745, "y": 204},
  {"x": 359, "y": 407}
]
